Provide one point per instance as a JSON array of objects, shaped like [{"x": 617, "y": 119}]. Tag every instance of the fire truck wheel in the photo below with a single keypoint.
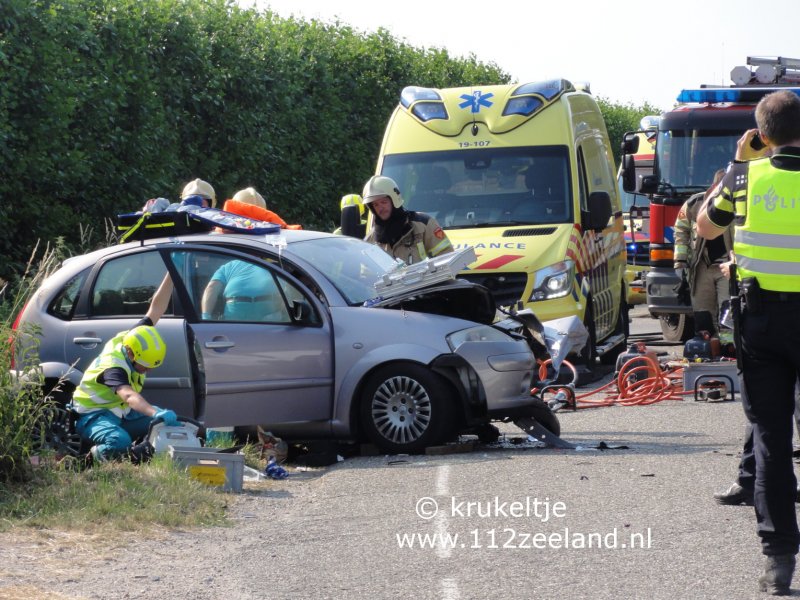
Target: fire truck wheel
[{"x": 676, "y": 328}]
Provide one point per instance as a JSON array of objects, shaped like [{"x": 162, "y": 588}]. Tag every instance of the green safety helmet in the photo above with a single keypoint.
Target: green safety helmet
[
  {"x": 147, "y": 346},
  {"x": 353, "y": 200},
  {"x": 379, "y": 186}
]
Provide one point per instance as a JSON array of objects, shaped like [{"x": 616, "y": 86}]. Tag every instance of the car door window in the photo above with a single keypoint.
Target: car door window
[
  {"x": 63, "y": 304},
  {"x": 223, "y": 288},
  {"x": 124, "y": 286}
]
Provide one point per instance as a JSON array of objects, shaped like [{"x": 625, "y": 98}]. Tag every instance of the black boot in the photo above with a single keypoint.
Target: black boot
[
  {"x": 777, "y": 576},
  {"x": 141, "y": 453},
  {"x": 734, "y": 496}
]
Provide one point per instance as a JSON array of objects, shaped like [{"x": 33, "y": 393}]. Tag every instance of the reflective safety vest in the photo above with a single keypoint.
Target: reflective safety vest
[
  {"x": 767, "y": 246},
  {"x": 91, "y": 395}
]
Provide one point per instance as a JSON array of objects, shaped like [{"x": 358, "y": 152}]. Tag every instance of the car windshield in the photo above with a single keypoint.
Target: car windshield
[
  {"x": 486, "y": 187},
  {"x": 352, "y": 265}
]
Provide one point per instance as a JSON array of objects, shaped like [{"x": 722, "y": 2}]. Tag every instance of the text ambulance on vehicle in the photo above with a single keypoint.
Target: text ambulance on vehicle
[
  {"x": 524, "y": 174},
  {"x": 694, "y": 139}
]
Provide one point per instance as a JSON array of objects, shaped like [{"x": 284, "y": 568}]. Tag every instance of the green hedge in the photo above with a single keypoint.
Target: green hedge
[{"x": 105, "y": 103}]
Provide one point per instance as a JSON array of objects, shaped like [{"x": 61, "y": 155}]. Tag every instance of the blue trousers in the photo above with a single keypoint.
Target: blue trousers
[{"x": 112, "y": 435}]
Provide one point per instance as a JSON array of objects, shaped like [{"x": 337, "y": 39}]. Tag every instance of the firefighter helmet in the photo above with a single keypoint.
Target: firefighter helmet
[
  {"x": 379, "y": 186},
  {"x": 250, "y": 196},
  {"x": 198, "y": 187}
]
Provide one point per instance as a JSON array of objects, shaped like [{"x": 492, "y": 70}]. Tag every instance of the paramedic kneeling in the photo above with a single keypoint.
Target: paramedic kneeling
[
  {"x": 111, "y": 409},
  {"x": 760, "y": 195}
]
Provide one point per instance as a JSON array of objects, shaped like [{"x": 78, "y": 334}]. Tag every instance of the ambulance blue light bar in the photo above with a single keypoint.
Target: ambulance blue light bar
[
  {"x": 425, "y": 103},
  {"x": 735, "y": 95}
]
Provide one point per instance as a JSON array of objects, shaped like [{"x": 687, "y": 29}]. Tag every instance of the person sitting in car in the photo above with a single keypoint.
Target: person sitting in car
[{"x": 239, "y": 290}]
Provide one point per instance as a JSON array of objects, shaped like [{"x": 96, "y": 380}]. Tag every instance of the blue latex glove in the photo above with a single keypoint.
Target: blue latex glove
[{"x": 168, "y": 416}]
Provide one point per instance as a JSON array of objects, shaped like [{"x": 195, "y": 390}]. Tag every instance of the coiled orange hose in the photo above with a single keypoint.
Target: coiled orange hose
[{"x": 630, "y": 390}]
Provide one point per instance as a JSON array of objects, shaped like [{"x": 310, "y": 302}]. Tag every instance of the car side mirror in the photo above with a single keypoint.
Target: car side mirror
[
  {"x": 598, "y": 213},
  {"x": 350, "y": 222},
  {"x": 649, "y": 184}
]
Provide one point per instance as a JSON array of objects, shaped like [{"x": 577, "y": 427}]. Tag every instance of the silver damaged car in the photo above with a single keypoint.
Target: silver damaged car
[{"x": 347, "y": 344}]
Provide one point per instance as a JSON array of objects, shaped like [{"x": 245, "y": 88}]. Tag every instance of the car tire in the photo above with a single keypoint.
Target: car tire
[
  {"x": 59, "y": 392},
  {"x": 676, "y": 327},
  {"x": 546, "y": 417},
  {"x": 55, "y": 431},
  {"x": 487, "y": 433},
  {"x": 405, "y": 408}
]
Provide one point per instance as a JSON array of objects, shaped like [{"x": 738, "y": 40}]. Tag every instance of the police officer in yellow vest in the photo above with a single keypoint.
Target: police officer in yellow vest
[
  {"x": 760, "y": 194},
  {"x": 407, "y": 235},
  {"x": 111, "y": 409}
]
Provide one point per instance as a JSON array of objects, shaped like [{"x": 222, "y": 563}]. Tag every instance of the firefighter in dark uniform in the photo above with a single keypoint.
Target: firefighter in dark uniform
[
  {"x": 760, "y": 194},
  {"x": 407, "y": 235}
]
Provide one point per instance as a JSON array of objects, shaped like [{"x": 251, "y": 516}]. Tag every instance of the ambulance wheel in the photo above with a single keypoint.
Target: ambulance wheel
[
  {"x": 405, "y": 408},
  {"x": 546, "y": 417},
  {"x": 676, "y": 327}
]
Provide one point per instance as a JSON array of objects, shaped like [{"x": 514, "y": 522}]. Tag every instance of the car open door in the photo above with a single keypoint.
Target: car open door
[
  {"x": 267, "y": 357},
  {"x": 116, "y": 295}
]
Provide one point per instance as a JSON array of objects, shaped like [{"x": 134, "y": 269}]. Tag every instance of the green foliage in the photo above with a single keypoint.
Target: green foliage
[
  {"x": 105, "y": 103},
  {"x": 24, "y": 413},
  {"x": 621, "y": 118}
]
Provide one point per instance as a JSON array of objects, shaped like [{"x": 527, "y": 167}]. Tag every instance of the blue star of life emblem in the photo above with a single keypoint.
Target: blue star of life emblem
[{"x": 476, "y": 100}]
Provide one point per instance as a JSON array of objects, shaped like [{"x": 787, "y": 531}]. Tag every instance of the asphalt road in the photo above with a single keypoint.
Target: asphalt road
[{"x": 637, "y": 522}]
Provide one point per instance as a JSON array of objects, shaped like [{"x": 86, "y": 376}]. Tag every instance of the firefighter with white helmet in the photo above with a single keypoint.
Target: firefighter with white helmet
[
  {"x": 408, "y": 235},
  {"x": 250, "y": 196},
  {"x": 200, "y": 188},
  {"x": 111, "y": 409}
]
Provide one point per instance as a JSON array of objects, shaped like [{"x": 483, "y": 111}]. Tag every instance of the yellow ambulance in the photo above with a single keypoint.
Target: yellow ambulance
[{"x": 524, "y": 174}]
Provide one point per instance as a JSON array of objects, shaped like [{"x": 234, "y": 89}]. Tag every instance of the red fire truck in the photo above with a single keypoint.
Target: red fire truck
[{"x": 694, "y": 139}]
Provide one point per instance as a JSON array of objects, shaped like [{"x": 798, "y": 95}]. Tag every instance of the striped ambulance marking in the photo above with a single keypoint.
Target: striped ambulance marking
[{"x": 498, "y": 262}]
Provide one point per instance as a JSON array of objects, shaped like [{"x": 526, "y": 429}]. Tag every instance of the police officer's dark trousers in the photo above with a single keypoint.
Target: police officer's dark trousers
[{"x": 770, "y": 368}]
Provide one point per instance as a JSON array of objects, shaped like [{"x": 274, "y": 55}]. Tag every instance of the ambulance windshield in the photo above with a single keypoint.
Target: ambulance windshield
[{"x": 486, "y": 187}]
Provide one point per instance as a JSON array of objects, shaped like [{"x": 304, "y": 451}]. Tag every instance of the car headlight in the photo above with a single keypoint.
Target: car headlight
[
  {"x": 554, "y": 281},
  {"x": 481, "y": 333}
]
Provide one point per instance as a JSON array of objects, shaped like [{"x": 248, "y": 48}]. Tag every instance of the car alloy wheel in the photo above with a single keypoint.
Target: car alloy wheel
[{"x": 403, "y": 408}]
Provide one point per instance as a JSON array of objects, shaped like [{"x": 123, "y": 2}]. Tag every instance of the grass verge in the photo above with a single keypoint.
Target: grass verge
[{"x": 112, "y": 497}]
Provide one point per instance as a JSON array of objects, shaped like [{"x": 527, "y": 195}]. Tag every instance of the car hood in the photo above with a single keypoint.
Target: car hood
[
  {"x": 454, "y": 298},
  {"x": 431, "y": 287}
]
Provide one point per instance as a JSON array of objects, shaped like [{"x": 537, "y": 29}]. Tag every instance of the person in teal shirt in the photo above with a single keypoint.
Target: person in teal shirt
[{"x": 242, "y": 291}]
